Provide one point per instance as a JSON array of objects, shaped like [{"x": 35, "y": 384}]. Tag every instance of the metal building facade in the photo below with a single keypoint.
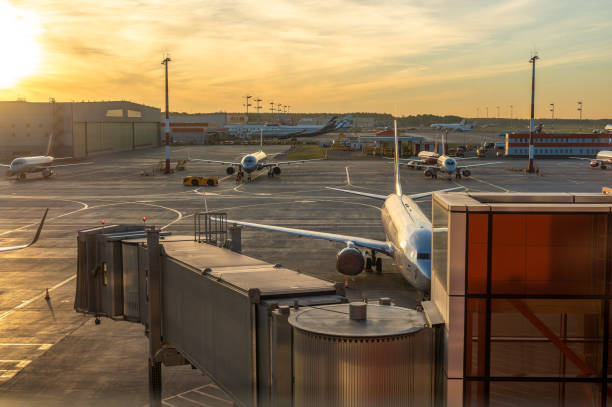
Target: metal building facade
[
  {"x": 524, "y": 282},
  {"x": 79, "y": 129}
]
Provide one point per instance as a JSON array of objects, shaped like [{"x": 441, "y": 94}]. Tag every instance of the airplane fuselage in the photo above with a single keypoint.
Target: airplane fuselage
[
  {"x": 409, "y": 231},
  {"x": 22, "y": 165},
  {"x": 253, "y": 162}
]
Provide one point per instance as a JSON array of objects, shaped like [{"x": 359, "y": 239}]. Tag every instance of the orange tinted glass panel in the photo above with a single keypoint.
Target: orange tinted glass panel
[
  {"x": 546, "y": 338},
  {"x": 478, "y": 236},
  {"x": 475, "y": 352},
  {"x": 548, "y": 254}
]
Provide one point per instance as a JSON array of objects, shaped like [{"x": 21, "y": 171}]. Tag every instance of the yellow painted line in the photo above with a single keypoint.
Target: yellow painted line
[
  {"x": 9, "y": 374},
  {"x": 23, "y": 363},
  {"x": 45, "y": 346}
]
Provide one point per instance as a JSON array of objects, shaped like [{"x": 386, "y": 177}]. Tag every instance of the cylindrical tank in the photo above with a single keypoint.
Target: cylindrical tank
[{"x": 381, "y": 357}]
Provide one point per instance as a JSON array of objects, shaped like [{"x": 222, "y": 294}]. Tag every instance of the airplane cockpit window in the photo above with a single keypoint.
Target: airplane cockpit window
[
  {"x": 18, "y": 161},
  {"x": 423, "y": 256}
]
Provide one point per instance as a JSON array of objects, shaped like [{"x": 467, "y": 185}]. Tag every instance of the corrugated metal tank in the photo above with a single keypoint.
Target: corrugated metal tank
[{"x": 362, "y": 355}]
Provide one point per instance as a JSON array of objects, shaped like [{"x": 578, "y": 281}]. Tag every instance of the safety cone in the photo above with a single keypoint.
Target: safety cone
[
  {"x": 47, "y": 297},
  {"x": 346, "y": 283}
]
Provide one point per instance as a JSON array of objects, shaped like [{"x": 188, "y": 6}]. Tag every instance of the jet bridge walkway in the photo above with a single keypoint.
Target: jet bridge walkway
[{"x": 200, "y": 304}]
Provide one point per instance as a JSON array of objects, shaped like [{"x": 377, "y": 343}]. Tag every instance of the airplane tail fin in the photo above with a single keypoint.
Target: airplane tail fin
[
  {"x": 398, "y": 185},
  {"x": 50, "y": 145},
  {"x": 345, "y": 122},
  {"x": 462, "y": 122},
  {"x": 261, "y": 140}
]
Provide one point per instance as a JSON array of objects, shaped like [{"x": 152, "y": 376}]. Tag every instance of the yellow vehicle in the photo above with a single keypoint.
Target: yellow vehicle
[{"x": 197, "y": 181}]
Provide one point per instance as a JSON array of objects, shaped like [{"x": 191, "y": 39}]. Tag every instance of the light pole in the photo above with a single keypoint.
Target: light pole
[
  {"x": 477, "y": 112},
  {"x": 531, "y": 167},
  {"x": 258, "y": 107},
  {"x": 487, "y": 108},
  {"x": 497, "y": 112},
  {"x": 552, "y": 116},
  {"x": 580, "y": 110},
  {"x": 247, "y": 104},
  {"x": 511, "y": 111},
  {"x": 167, "y": 124}
]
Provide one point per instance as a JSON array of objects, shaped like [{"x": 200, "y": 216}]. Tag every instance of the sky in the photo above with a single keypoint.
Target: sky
[{"x": 400, "y": 57}]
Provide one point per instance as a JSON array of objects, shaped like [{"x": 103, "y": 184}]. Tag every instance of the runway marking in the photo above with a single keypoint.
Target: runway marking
[
  {"x": 488, "y": 183},
  {"x": 37, "y": 297},
  {"x": 9, "y": 373},
  {"x": 40, "y": 346},
  {"x": 85, "y": 206}
]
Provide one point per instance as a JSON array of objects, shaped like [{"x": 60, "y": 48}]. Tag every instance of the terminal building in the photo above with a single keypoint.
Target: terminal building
[
  {"x": 558, "y": 144},
  {"x": 520, "y": 310},
  {"x": 79, "y": 129}
]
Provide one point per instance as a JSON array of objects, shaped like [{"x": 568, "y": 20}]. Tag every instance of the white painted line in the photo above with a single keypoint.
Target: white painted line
[
  {"x": 193, "y": 401},
  {"x": 23, "y": 363},
  {"x": 37, "y": 297}
]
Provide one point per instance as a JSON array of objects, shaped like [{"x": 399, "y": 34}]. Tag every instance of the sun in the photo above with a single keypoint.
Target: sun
[{"x": 20, "y": 50}]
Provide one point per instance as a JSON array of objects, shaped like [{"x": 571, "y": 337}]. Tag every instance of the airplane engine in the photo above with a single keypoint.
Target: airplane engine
[
  {"x": 230, "y": 170},
  {"x": 466, "y": 173},
  {"x": 594, "y": 164},
  {"x": 428, "y": 173},
  {"x": 47, "y": 172},
  {"x": 276, "y": 170},
  {"x": 349, "y": 261}
]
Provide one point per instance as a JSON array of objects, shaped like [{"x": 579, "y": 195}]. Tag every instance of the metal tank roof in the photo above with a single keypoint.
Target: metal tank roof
[{"x": 379, "y": 321}]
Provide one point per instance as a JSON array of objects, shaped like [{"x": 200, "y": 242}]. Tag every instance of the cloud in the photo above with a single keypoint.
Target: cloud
[{"x": 302, "y": 52}]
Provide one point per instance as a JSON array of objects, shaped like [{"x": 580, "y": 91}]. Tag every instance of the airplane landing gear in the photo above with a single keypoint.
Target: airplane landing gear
[
  {"x": 21, "y": 176},
  {"x": 373, "y": 261}
]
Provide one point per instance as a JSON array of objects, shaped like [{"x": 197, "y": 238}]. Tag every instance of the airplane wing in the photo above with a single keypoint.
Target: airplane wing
[
  {"x": 215, "y": 162},
  {"x": 478, "y": 165},
  {"x": 4, "y": 165},
  {"x": 348, "y": 191},
  {"x": 67, "y": 165},
  {"x": 378, "y": 245},
  {"x": 383, "y": 197},
  {"x": 417, "y": 164},
  {"x": 291, "y": 162},
  {"x": 42, "y": 221}
]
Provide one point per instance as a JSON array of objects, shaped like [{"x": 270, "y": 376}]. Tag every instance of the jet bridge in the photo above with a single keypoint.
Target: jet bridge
[{"x": 231, "y": 315}]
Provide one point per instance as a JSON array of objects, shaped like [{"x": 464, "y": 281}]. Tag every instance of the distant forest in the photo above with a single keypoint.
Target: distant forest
[{"x": 425, "y": 120}]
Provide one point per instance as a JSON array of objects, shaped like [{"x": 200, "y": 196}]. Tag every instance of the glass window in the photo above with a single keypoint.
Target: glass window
[
  {"x": 114, "y": 113},
  {"x": 134, "y": 113},
  {"x": 546, "y": 338},
  {"x": 548, "y": 254},
  {"x": 528, "y": 394},
  {"x": 439, "y": 264},
  {"x": 478, "y": 236},
  {"x": 475, "y": 330},
  {"x": 474, "y": 393}
]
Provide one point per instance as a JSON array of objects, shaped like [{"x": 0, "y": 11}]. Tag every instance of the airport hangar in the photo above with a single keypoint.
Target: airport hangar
[{"x": 80, "y": 129}]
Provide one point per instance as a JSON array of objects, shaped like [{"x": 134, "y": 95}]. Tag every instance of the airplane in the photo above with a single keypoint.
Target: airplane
[
  {"x": 601, "y": 160},
  {"x": 253, "y": 162},
  {"x": 41, "y": 163},
  {"x": 408, "y": 235},
  {"x": 11, "y": 248},
  {"x": 285, "y": 131},
  {"x": 435, "y": 163},
  {"x": 461, "y": 126}
]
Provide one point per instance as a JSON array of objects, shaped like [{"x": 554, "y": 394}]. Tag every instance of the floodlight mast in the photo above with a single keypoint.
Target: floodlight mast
[
  {"x": 167, "y": 123},
  {"x": 531, "y": 167}
]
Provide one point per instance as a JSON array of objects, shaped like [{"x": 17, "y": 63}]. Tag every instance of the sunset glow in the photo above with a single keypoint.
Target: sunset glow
[
  {"x": 20, "y": 49},
  {"x": 338, "y": 56}
]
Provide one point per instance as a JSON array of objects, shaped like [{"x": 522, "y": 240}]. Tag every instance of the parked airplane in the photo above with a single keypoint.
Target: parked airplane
[
  {"x": 41, "y": 163},
  {"x": 601, "y": 160},
  {"x": 285, "y": 131},
  {"x": 407, "y": 229},
  {"x": 254, "y": 162},
  {"x": 11, "y": 248},
  {"x": 435, "y": 163},
  {"x": 461, "y": 126}
]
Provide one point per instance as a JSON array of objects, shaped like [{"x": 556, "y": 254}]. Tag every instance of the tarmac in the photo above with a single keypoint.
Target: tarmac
[{"x": 50, "y": 354}]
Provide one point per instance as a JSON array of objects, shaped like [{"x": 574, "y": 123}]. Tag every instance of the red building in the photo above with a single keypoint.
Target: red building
[{"x": 558, "y": 144}]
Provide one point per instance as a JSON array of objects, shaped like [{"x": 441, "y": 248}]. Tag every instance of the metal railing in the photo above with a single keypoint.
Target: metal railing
[{"x": 210, "y": 227}]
